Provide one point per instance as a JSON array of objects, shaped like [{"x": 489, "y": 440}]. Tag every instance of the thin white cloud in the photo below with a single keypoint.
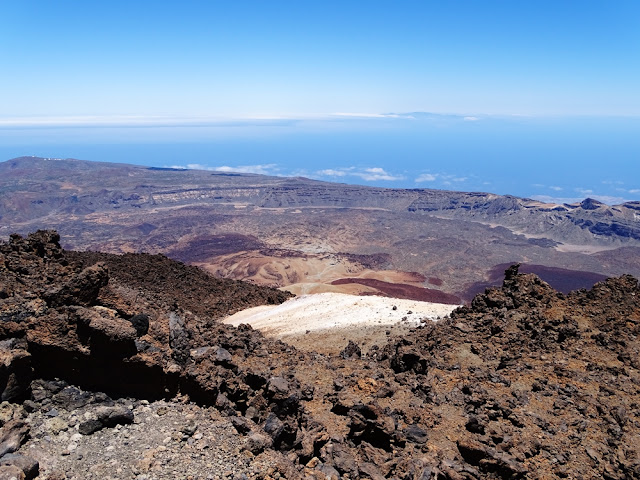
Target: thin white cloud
[
  {"x": 559, "y": 200},
  {"x": 610, "y": 199},
  {"x": 366, "y": 115},
  {"x": 453, "y": 178},
  {"x": 471, "y": 119},
  {"x": 443, "y": 178},
  {"x": 635, "y": 190},
  {"x": 370, "y": 174},
  {"x": 377, "y": 173},
  {"x": 265, "y": 169},
  {"x": 426, "y": 177},
  {"x": 78, "y": 120},
  {"x": 557, "y": 189},
  {"x": 330, "y": 172},
  {"x": 147, "y": 121},
  {"x": 607, "y": 199}
]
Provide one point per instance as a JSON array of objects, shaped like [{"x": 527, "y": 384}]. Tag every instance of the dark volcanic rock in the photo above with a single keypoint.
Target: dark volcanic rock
[
  {"x": 415, "y": 434},
  {"x": 15, "y": 369},
  {"x": 351, "y": 350},
  {"x": 140, "y": 323},
  {"x": 106, "y": 417},
  {"x": 168, "y": 284},
  {"x": 83, "y": 318}
]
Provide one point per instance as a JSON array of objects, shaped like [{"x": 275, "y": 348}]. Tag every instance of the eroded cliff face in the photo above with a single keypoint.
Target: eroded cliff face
[
  {"x": 523, "y": 383},
  {"x": 586, "y": 222}
]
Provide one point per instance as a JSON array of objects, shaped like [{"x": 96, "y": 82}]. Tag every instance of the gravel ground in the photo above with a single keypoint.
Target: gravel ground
[{"x": 167, "y": 440}]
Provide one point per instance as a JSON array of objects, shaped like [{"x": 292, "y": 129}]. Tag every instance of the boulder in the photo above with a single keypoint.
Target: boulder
[
  {"x": 29, "y": 466},
  {"x": 12, "y": 435},
  {"x": 15, "y": 369},
  {"x": 106, "y": 417},
  {"x": 81, "y": 289}
]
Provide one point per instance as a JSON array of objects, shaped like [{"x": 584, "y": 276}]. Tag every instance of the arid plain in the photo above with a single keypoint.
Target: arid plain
[{"x": 309, "y": 236}]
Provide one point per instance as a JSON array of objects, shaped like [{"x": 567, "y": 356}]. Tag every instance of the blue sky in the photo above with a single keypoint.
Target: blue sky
[
  {"x": 297, "y": 57},
  {"x": 246, "y": 84}
]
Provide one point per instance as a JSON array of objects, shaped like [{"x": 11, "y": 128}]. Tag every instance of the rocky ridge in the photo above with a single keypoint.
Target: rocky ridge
[{"x": 523, "y": 383}]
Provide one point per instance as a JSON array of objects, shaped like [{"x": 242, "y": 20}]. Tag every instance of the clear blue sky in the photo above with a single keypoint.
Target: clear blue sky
[
  {"x": 234, "y": 58},
  {"x": 547, "y": 93}
]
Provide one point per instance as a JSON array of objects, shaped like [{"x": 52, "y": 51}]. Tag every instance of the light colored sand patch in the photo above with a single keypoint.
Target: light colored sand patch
[
  {"x": 586, "y": 249},
  {"x": 336, "y": 310}
]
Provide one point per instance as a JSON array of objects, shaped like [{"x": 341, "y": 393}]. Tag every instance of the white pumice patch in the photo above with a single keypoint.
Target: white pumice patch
[{"x": 336, "y": 310}]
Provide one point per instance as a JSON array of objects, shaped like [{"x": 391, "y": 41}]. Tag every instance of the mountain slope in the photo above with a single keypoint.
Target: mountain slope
[{"x": 525, "y": 383}]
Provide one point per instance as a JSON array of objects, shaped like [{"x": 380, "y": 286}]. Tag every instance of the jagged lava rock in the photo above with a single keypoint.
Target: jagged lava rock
[{"x": 523, "y": 383}]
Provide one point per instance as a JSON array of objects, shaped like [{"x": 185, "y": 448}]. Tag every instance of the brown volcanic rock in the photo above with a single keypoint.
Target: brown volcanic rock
[
  {"x": 67, "y": 313},
  {"x": 523, "y": 383},
  {"x": 536, "y": 384},
  {"x": 168, "y": 284},
  {"x": 15, "y": 369},
  {"x": 82, "y": 289}
]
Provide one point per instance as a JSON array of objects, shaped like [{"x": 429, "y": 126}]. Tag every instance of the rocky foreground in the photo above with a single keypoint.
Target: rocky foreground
[{"x": 120, "y": 369}]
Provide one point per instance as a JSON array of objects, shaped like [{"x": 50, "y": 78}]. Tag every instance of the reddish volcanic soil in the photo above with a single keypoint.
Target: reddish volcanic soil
[{"x": 401, "y": 290}]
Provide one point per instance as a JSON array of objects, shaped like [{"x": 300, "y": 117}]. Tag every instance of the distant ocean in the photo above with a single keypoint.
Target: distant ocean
[{"x": 559, "y": 158}]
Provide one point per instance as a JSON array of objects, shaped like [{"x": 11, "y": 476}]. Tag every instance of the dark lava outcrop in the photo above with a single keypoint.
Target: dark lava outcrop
[{"x": 524, "y": 383}]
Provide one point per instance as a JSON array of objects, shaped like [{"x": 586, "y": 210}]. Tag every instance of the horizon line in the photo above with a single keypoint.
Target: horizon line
[{"x": 136, "y": 120}]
